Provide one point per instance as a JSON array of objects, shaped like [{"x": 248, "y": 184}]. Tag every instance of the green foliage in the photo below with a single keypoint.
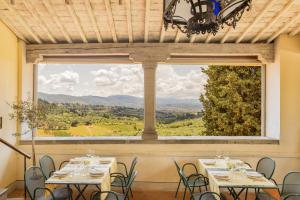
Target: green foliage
[
  {"x": 28, "y": 112},
  {"x": 232, "y": 101}
]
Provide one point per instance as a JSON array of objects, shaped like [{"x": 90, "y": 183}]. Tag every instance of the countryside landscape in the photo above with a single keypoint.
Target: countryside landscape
[
  {"x": 117, "y": 115},
  {"x": 107, "y": 100}
]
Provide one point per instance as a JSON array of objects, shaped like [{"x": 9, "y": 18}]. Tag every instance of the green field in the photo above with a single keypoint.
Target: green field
[
  {"x": 190, "y": 127},
  {"x": 74, "y": 120}
]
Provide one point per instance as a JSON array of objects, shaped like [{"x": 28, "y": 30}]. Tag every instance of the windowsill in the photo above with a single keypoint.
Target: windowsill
[{"x": 160, "y": 140}]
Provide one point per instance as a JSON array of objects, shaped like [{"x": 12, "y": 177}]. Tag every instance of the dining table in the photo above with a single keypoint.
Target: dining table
[
  {"x": 85, "y": 171},
  {"x": 236, "y": 176}
]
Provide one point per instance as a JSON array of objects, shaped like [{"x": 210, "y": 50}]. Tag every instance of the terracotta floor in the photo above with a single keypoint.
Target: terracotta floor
[{"x": 149, "y": 195}]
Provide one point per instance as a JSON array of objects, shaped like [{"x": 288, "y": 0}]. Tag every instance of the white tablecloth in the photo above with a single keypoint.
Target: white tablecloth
[
  {"x": 236, "y": 179},
  {"x": 79, "y": 169}
]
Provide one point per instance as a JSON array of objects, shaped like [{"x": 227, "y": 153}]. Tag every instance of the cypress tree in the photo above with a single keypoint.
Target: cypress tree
[{"x": 232, "y": 101}]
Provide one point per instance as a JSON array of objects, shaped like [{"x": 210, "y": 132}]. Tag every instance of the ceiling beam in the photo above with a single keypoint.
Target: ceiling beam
[
  {"x": 129, "y": 20},
  {"x": 223, "y": 40},
  {"x": 273, "y": 20},
  {"x": 75, "y": 19},
  {"x": 147, "y": 18},
  {"x": 296, "y": 31},
  {"x": 193, "y": 38},
  {"x": 58, "y": 23},
  {"x": 39, "y": 19},
  {"x": 208, "y": 38},
  {"x": 93, "y": 20},
  {"x": 162, "y": 33},
  {"x": 22, "y": 21},
  {"x": 5, "y": 19},
  {"x": 258, "y": 17},
  {"x": 111, "y": 20},
  {"x": 284, "y": 28}
]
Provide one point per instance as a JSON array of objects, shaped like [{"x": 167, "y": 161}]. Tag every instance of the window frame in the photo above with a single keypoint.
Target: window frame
[{"x": 263, "y": 139}]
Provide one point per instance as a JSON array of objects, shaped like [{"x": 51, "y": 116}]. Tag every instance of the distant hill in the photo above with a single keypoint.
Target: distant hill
[{"x": 168, "y": 104}]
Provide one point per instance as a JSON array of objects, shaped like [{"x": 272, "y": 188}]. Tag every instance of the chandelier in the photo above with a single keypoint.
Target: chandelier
[{"x": 203, "y": 16}]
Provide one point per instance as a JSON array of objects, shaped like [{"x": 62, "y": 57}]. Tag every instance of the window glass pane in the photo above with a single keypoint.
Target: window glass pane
[
  {"x": 202, "y": 100},
  {"x": 91, "y": 99}
]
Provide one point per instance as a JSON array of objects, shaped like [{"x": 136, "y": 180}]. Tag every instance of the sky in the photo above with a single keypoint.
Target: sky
[{"x": 172, "y": 81}]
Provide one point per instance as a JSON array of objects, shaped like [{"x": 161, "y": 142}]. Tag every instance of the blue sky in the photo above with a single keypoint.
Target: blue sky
[{"x": 176, "y": 81}]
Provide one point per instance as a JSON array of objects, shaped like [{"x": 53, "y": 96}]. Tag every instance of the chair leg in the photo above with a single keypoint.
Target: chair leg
[
  {"x": 246, "y": 194},
  {"x": 131, "y": 192},
  {"x": 178, "y": 188},
  {"x": 184, "y": 193}
]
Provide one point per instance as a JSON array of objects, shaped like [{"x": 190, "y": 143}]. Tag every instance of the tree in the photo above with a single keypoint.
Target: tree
[
  {"x": 32, "y": 114},
  {"x": 232, "y": 101}
]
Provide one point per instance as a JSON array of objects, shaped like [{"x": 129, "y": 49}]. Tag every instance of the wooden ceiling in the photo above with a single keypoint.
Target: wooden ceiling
[{"x": 136, "y": 21}]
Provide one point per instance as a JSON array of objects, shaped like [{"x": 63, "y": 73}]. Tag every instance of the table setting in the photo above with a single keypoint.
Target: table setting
[
  {"x": 82, "y": 172},
  {"x": 233, "y": 174}
]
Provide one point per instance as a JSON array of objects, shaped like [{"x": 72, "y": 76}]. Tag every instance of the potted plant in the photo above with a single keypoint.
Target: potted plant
[{"x": 32, "y": 114}]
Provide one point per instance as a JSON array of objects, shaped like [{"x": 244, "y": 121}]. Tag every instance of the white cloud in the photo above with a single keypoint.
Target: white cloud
[
  {"x": 188, "y": 85},
  {"x": 119, "y": 80},
  {"x": 66, "y": 81}
]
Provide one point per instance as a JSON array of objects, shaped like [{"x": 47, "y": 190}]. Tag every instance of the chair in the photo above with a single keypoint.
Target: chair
[
  {"x": 266, "y": 166},
  {"x": 199, "y": 195},
  {"x": 290, "y": 188},
  {"x": 35, "y": 186},
  {"x": 47, "y": 166},
  {"x": 114, "y": 195},
  {"x": 194, "y": 180},
  {"x": 122, "y": 180}
]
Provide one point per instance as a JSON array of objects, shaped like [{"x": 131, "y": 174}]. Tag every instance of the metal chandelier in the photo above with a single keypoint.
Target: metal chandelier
[{"x": 203, "y": 16}]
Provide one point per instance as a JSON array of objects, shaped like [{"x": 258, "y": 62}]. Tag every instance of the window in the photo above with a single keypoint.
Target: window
[
  {"x": 202, "y": 100},
  {"x": 91, "y": 99}
]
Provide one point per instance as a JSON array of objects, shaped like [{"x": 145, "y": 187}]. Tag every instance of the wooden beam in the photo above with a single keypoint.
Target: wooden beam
[
  {"x": 258, "y": 17},
  {"x": 93, "y": 20},
  {"x": 296, "y": 31},
  {"x": 178, "y": 35},
  {"x": 193, "y": 38},
  {"x": 223, "y": 40},
  {"x": 39, "y": 19},
  {"x": 53, "y": 14},
  {"x": 208, "y": 38},
  {"x": 153, "y": 51},
  {"x": 129, "y": 20},
  {"x": 75, "y": 19},
  {"x": 111, "y": 20},
  {"x": 22, "y": 21},
  {"x": 5, "y": 19},
  {"x": 162, "y": 33},
  {"x": 273, "y": 21},
  {"x": 147, "y": 18},
  {"x": 285, "y": 27}
]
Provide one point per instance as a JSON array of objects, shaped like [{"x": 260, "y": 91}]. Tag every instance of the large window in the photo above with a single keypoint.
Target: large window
[
  {"x": 91, "y": 99},
  {"x": 201, "y": 100}
]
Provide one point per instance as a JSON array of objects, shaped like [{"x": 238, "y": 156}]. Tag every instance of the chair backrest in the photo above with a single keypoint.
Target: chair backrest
[
  {"x": 132, "y": 167},
  {"x": 47, "y": 166},
  {"x": 185, "y": 181},
  {"x": 291, "y": 183},
  {"x": 266, "y": 166},
  {"x": 210, "y": 196},
  {"x": 130, "y": 181},
  {"x": 177, "y": 167},
  {"x": 34, "y": 178}
]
